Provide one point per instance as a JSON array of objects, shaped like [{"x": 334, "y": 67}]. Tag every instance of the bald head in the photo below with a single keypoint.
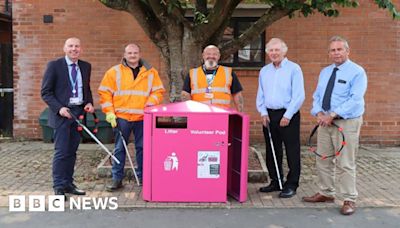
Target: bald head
[
  {"x": 72, "y": 40},
  {"x": 211, "y": 57},
  {"x": 72, "y": 48},
  {"x": 132, "y": 55},
  {"x": 132, "y": 45},
  {"x": 211, "y": 47}
]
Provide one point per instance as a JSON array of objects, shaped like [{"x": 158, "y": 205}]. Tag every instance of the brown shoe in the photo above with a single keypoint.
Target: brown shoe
[
  {"x": 349, "y": 207},
  {"x": 318, "y": 198}
]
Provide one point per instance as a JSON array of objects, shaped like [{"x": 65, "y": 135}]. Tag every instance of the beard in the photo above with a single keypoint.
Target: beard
[{"x": 209, "y": 64}]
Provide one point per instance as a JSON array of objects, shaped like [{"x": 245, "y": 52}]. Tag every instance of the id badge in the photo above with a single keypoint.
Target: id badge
[
  {"x": 74, "y": 101},
  {"x": 209, "y": 95}
]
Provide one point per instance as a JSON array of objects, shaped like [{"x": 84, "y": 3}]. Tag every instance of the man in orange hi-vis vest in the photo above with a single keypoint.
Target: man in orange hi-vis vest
[
  {"x": 212, "y": 83},
  {"x": 125, "y": 91}
]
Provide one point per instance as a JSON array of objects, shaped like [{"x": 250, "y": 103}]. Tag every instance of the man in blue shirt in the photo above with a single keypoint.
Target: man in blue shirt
[
  {"x": 339, "y": 98},
  {"x": 279, "y": 98}
]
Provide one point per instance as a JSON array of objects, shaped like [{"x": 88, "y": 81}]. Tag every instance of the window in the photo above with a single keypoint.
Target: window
[{"x": 253, "y": 54}]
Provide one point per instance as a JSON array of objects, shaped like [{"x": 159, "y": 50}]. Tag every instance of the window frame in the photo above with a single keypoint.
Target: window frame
[{"x": 236, "y": 21}]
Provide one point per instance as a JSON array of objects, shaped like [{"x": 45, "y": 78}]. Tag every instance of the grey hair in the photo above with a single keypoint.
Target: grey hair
[
  {"x": 276, "y": 40},
  {"x": 341, "y": 39}
]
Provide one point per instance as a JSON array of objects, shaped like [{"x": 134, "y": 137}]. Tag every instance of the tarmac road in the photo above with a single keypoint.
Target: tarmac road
[{"x": 205, "y": 218}]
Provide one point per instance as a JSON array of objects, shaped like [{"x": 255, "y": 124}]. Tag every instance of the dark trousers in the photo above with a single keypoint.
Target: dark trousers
[
  {"x": 66, "y": 142},
  {"x": 290, "y": 136},
  {"x": 127, "y": 127}
]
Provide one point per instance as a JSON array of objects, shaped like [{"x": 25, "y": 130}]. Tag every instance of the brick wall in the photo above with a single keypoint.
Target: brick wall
[
  {"x": 373, "y": 37},
  {"x": 374, "y": 42},
  {"x": 103, "y": 32},
  {"x": 2, "y": 6}
]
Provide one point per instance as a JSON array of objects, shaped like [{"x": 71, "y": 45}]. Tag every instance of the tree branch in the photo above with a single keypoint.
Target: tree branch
[
  {"x": 201, "y": 6},
  {"x": 143, "y": 14},
  {"x": 158, "y": 9},
  {"x": 221, "y": 12},
  {"x": 166, "y": 10},
  {"x": 270, "y": 16}
]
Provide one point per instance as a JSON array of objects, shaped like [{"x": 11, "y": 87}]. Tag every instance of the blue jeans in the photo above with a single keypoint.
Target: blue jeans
[{"x": 126, "y": 128}]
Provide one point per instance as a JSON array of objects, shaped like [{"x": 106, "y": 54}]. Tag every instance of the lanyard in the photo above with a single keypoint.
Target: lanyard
[
  {"x": 210, "y": 81},
  {"x": 73, "y": 83}
]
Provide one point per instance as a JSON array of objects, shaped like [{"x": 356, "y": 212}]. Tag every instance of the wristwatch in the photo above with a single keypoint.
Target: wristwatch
[{"x": 333, "y": 115}]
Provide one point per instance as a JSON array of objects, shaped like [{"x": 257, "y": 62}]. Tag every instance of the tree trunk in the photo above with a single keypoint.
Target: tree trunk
[{"x": 182, "y": 53}]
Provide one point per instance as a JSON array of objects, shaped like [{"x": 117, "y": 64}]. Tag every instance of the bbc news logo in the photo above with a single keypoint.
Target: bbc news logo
[{"x": 57, "y": 203}]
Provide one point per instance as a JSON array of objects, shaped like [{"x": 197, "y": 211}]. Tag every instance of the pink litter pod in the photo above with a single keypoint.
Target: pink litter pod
[{"x": 194, "y": 152}]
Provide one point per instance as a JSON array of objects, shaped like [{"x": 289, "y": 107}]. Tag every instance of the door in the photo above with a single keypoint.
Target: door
[
  {"x": 238, "y": 156},
  {"x": 6, "y": 91}
]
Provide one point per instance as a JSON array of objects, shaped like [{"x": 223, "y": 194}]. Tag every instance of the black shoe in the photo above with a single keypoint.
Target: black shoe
[
  {"x": 272, "y": 187},
  {"x": 116, "y": 184},
  {"x": 72, "y": 189},
  {"x": 287, "y": 193},
  {"x": 60, "y": 192}
]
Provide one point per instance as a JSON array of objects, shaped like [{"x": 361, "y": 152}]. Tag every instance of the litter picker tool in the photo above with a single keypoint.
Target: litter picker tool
[
  {"x": 129, "y": 156},
  {"x": 93, "y": 136},
  {"x": 323, "y": 156},
  {"x": 274, "y": 155}
]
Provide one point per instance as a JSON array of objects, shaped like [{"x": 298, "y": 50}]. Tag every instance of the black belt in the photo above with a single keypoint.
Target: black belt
[
  {"x": 276, "y": 110},
  {"x": 76, "y": 106}
]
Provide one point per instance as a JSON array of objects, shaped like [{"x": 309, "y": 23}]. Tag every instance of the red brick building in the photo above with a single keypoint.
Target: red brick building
[{"x": 374, "y": 39}]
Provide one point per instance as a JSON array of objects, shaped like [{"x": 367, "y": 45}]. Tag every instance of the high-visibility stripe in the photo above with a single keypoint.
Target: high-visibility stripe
[
  {"x": 105, "y": 89},
  {"x": 129, "y": 110},
  {"x": 214, "y": 89},
  {"x": 220, "y": 101},
  {"x": 154, "y": 97},
  {"x": 220, "y": 89},
  {"x": 197, "y": 91},
  {"x": 131, "y": 92},
  {"x": 195, "y": 80},
  {"x": 228, "y": 77},
  {"x": 157, "y": 88},
  {"x": 118, "y": 76},
  {"x": 227, "y": 74},
  {"x": 216, "y": 101},
  {"x": 149, "y": 83},
  {"x": 106, "y": 104}
]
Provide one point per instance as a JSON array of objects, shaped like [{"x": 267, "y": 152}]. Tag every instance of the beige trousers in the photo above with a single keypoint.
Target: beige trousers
[{"x": 329, "y": 141}]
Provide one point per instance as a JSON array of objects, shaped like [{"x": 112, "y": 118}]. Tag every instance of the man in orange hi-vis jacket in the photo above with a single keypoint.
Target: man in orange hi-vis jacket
[{"x": 125, "y": 91}]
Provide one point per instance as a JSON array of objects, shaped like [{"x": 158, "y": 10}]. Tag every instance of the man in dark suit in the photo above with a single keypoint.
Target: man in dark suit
[{"x": 66, "y": 88}]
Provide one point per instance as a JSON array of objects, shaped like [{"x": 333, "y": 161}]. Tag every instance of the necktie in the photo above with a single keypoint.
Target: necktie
[
  {"x": 74, "y": 73},
  {"x": 326, "y": 102}
]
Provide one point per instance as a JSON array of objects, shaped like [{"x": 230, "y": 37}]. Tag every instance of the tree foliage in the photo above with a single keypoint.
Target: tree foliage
[
  {"x": 181, "y": 38},
  {"x": 209, "y": 22}
]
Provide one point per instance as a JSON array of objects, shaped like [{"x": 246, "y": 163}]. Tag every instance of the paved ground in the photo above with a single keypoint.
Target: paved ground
[
  {"x": 206, "y": 218},
  {"x": 25, "y": 168}
]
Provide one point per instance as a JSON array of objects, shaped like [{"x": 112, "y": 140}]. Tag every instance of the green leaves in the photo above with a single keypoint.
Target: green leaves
[
  {"x": 172, "y": 5},
  {"x": 326, "y": 7},
  {"x": 199, "y": 18},
  {"x": 305, "y": 7},
  {"x": 387, "y": 4}
]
